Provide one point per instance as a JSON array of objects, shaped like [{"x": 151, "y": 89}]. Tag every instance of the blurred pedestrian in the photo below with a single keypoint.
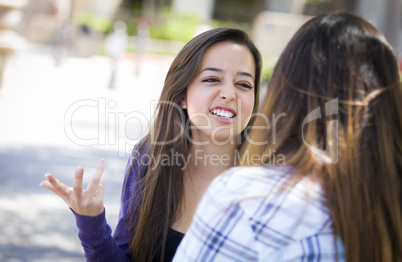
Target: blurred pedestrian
[
  {"x": 339, "y": 195},
  {"x": 143, "y": 32},
  {"x": 116, "y": 47}
]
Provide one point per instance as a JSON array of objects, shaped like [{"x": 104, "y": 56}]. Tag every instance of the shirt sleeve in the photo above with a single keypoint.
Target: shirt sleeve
[
  {"x": 96, "y": 235},
  {"x": 96, "y": 239}
]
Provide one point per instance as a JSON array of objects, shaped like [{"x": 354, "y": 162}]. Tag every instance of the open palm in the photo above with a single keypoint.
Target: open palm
[{"x": 88, "y": 202}]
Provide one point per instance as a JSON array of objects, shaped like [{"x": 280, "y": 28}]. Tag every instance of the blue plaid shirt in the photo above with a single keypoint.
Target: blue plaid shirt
[{"x": 250, "y": 214}]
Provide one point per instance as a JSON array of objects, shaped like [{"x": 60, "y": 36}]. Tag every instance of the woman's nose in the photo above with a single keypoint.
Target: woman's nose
[{"x": 228, "y": 92}]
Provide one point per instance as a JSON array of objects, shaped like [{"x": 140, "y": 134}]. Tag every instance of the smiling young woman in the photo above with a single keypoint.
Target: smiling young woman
[
  {"x": 219, "y": 103},
  {"x": 209, "y": 97},
  {"x": 221, "y": 97}
]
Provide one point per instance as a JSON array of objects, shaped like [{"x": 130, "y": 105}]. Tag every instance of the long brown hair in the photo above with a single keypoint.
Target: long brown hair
[
  {"x": 159, "y": 188},
  {"x": 338, "y": 84}
]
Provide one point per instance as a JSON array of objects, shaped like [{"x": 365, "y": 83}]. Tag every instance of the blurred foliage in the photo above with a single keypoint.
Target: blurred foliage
[
  {"x": 131, "y": 27},
  {"x": 102, "y": 24},
  {"x": 243, "y": 11},
  {"x": 94, "y": 22},
  {"x": 182, "y": 27},
  {"x": 268, "y": 64},
  {"x": 135, "y": 6},
  {"x": 317, "y": 1},
  {"x": 167, "y": 25},
  {"x": 173, "y": 26},
  {"x": 243, "y": 26}
]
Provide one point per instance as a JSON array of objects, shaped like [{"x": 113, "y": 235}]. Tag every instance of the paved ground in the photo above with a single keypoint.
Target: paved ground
[{"x": 53, "y": 118}]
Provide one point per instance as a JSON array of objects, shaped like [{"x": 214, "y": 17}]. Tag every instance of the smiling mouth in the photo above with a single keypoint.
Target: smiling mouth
[{"x": 223, "y": 113}]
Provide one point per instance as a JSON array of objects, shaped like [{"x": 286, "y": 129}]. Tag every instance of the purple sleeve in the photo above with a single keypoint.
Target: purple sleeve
[
  {"x": 96, "y": 239},
  {"x": 96, "y": 235}
]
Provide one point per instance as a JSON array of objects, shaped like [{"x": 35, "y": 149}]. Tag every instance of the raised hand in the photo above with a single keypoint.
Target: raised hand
[{"x": 88, "y": 202}]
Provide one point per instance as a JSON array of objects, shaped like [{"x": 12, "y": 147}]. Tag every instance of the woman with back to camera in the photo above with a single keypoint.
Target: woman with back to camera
[
  {"x": 339, "y": 195},
  {"x": 208, "y": 99}
]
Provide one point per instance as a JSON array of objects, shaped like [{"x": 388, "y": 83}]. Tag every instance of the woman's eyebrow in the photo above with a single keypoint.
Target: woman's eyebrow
[
  {"x": 212, "y": 69},
  {"x": 221, "y": 71},
  {"x": 246, "y": 74}
]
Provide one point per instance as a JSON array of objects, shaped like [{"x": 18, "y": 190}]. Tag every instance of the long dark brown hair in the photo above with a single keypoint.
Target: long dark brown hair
[
  {"x": 341, "y": 69},
  {"x": 159, "y": 189}
]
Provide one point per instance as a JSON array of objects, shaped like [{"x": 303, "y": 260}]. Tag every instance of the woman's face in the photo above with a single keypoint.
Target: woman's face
[{"x": 220, "y": 99}]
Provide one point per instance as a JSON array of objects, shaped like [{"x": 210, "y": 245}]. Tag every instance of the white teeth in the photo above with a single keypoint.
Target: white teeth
[{"x": 222, "y": 113}]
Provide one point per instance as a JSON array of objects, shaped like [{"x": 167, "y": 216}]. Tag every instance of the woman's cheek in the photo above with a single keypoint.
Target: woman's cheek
[{"x": 247, "y": 106}]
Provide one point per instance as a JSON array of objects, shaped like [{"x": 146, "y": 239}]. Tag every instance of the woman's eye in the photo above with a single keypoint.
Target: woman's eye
[
  {"x": 245, "y": 85},
  {"x": 210, "y": 80}
]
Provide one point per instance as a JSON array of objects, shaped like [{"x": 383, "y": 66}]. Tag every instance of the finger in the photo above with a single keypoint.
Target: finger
[
  {"x": 77, "y": 183},
  {"x": 100, "y": 191},
  {"x": 56, "y": 186},
  {"x": 99, "y": 197},
  {"x": 46, "y": 184},
  {"x": 96, "y": 178}
]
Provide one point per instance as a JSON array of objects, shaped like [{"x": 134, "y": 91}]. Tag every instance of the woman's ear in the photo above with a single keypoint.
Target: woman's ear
[{"x": 183, "y": 103}]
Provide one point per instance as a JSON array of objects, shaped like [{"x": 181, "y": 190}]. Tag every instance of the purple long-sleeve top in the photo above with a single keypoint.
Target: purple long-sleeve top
[{"x": 96, "y": 235}]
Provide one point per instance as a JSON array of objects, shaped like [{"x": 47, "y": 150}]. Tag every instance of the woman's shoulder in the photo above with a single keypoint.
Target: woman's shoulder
[
  {"x": 278, "y": 214},
  {"x": 269, "y": 197},
  {"x": 244, "y": 187},
  {"x": 251, "y": 180}
]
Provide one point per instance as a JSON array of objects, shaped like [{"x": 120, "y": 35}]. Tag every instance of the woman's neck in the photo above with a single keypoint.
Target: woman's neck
[
  {"x": 212, "y": 159},
  {"x": 205, "y": 163}
]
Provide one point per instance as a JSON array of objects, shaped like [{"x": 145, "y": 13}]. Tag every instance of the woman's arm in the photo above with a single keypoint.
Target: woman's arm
[
  {"x": 97, "y": 241},
  {"x": 87, "y": 206}
]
